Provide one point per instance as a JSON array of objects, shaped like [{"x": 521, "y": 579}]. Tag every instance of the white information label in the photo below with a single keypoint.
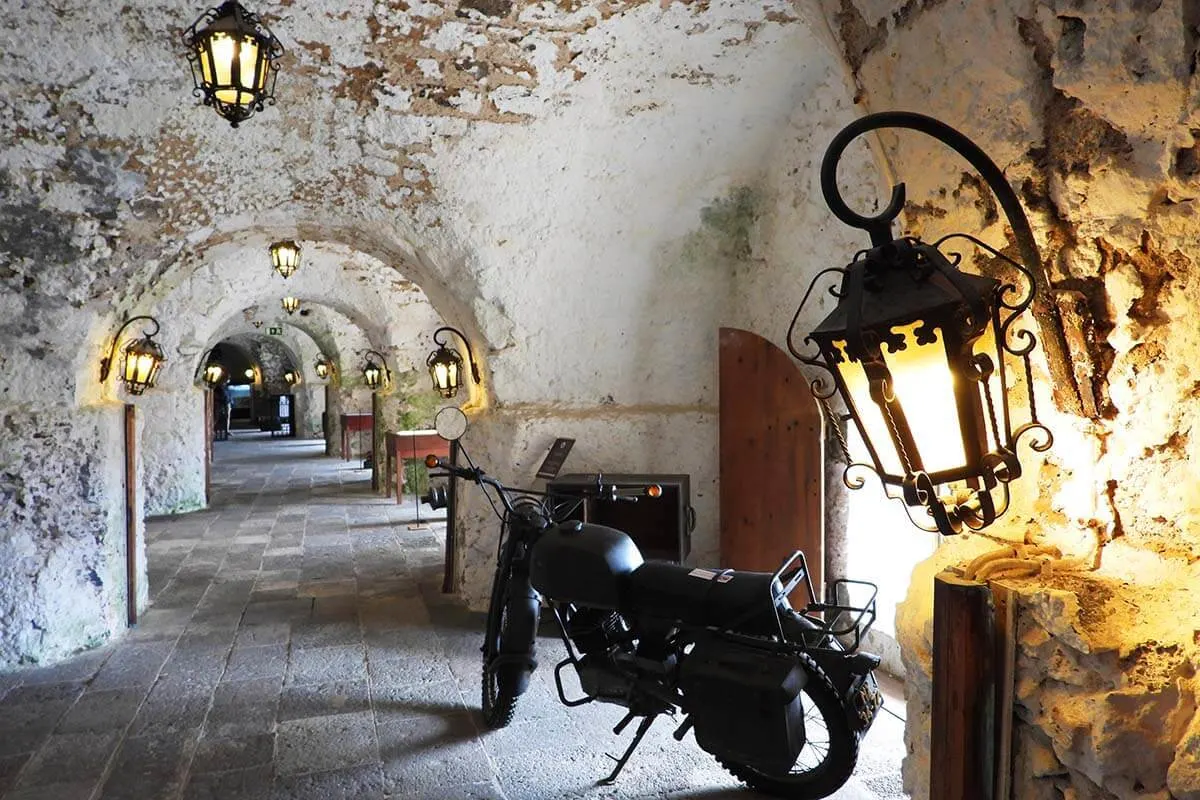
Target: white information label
[{"x": 706, "y": 574}]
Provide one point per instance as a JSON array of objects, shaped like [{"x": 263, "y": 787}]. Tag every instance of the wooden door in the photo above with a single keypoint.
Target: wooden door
[
  {"x": 772, "y": 473},
  {"x": 209, "y": 414}
]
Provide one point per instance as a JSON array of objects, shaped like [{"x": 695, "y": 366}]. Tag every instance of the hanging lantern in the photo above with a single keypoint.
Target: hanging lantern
[
  {"x": 323, "y": 367},
  {"x": 922, "y": 355},
  {"x": 376, "y": 374},
  {"x": 213, "y": 374},
  {"x": 143, "y": 358},
  {"x": 445, "y": 364},
  {"x": 285, "y": 257},
  {"x": 290, "y": 304},
  {"x": 234, "y": 60},
  {"x": 291, "y": 377}
]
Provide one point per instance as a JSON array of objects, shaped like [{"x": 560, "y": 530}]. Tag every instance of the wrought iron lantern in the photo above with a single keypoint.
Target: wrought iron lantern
[
  {"x": 323, "y": 367},
  {"x": 213, "y": 374},
  {"x": 143, "y": 358},
  {"x": 291, "y": 377},
  {"x": 234, "y": 59},
  {"x": 250, "y": 374},
  {"x": 208, "y": 368},
  {"x": 926, "y": 359},
  {"x": 285, "y": 257},
  {"x": 376, "y": 374},
  {"x": 445, "y": 364},
  {"x": 290, "y": 304}
]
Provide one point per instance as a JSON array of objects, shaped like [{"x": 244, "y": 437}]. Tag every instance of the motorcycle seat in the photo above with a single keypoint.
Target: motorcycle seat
[{"x": 709, "y": 597}]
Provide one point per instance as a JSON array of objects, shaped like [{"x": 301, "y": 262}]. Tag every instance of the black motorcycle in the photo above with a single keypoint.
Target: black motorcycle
[{"x": 781, "y": 698}]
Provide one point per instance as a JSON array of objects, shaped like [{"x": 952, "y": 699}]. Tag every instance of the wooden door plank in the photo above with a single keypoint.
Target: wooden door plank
[
  {"x": 131, "y": 576},
  {"x": 772, "y": 472}
]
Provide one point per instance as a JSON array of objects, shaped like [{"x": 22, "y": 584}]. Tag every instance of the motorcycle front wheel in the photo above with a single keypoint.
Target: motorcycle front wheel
[
  {"x": 500, "y": 689},
  {"x": 830, "y": 749}
]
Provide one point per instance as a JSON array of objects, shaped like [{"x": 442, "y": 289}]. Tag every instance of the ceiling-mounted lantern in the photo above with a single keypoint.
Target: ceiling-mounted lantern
[
  {"x": 234, "y": 59},
  {"x": 925, "y": 357},
  {"x": 143, "y": 358},
  {"x": 290, "y": 304},
  {"x": 285, "y": 257}
]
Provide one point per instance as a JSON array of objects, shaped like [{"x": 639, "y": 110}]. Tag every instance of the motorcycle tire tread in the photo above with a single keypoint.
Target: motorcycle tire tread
[
  {"x": 498, "y": 708},
  {"x": 498, "y": 701},
  {"x": 843, "y": 748}
]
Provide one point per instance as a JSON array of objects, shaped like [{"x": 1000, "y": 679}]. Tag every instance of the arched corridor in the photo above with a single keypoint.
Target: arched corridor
[{"x": 299, "y": 646}]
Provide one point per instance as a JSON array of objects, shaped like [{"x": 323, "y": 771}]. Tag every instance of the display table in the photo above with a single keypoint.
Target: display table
[
  {"x": 410, "y": 444},
  {"x": 352, "y": 423}
]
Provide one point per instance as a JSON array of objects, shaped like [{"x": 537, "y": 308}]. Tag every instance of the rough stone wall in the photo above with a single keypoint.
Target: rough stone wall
[
  {"x": 62, "y": 540},
  {"x": 1090, "y": 109}
]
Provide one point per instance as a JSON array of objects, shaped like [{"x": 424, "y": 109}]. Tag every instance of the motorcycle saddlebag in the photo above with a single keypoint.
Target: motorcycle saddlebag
[{"x": 745, "y": 703}]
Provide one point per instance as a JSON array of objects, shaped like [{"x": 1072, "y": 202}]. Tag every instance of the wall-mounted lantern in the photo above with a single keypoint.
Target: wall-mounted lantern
[
  {"x": 922, "y": 355},
  {"x": 445, "y": 364},
  {"x": 213, "y": 374},
  {"x": 323, "y": 367},
  {"x": 290, "y": 304},
  {"x": 234, "y": 59},
  {"x": 208, "y": 369},
  {"x": 376, "y": 374},
  {"x": 143, "y": 358},
  {"x": 285, "y": 257},
  {"x": 250, "y": 374},
  {"x": 291, "y": 377}
]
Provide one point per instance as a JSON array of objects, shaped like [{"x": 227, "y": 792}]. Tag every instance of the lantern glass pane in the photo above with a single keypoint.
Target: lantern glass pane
[
  {"x": 221, "y": 45},
  {"x": 869, "y": 415},
  {"x": 925, "y": 387}
]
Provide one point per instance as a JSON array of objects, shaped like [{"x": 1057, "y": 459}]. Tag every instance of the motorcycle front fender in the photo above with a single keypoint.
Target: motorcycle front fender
[{"x": 516, "y": 661}]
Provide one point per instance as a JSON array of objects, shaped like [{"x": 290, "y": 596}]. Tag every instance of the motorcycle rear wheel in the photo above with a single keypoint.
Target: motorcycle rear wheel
[
  {"x": 499, "y": 696},
  {"x": 830, "y": 751}
]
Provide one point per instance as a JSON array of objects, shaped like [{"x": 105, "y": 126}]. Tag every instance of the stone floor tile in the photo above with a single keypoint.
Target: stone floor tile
[
  {"x": 150, "y": 767},
  {"x": 103, "y": 710},
  {"x": 257, "y": 662},
  {"x": 469, "y": 791},
  {"x": 172, "y": 708},
  {"x": 263, "y": 634},
  {"x": 408, "y": 671},
  {"x": 135, "y": 664},
  {"x": 318, "y": 744},
  {"x": 70, "y": 758},
  {"x": 196, "y": 661},
  {"x": 420, "y": 755},
  {"x": 9, "y": 767},
  {"x": 215, "y": 754},
  {"x": 80, "y": 790},
  {"x": 327, "y": 665},
  {"x": 82, "y": 667},
  {"x": 399, "y": 703},
  {"x": 243, "y": 708},
  {"x": 355, "y": 783},
  {"x": 241, "y": 784},
  {"x": 326, "y": 634},
  {"x": 322, "y": 699}
]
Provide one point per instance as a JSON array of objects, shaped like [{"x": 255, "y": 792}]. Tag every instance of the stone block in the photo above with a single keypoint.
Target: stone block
[
  {"x": 408, "y": 671},
  {"x": 257, "y": 662},
  {"x": 9, "y": 767},
  {"x": 318, "y": 744},
  {"x": 133, "y": 665},
  {"x": 264, "y": 634},
  {"x": 355, "y": 783},
  {"x": 103, "y": 710},
  {"x": 150, "y": 767},
  {"x": 219, "y": 754},
  {"x": 323, "y": 699},
  {"x": 241, "y": 784},
  {"x": 399, "y": 703},
  {"x": 70, "y": 758},
  {"x": 326, "y": 634},
  {"x": 327, "y": 665}
]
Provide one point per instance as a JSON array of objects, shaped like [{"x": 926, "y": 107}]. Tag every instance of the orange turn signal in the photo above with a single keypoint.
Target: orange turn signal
[
  {"x": 431, "y": 461},
  {"x": 654, "y": 490}
]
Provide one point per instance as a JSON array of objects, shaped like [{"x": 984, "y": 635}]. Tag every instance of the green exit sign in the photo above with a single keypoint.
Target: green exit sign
[{"x": 275, "y": 330}]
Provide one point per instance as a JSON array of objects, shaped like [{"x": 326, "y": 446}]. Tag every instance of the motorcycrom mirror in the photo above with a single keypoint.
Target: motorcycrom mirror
[{"x": 450, "y": 423}]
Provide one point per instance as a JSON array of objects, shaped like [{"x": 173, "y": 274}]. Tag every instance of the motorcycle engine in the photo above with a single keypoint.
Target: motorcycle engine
[{"x": 597, "y": 633}]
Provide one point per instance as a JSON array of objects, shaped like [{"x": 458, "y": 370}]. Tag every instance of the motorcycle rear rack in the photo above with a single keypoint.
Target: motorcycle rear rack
[{"x": 847, "y": 624}]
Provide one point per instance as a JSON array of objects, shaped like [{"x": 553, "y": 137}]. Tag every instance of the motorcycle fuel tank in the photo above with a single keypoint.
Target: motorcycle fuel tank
[{"x": 585, "y": 564}]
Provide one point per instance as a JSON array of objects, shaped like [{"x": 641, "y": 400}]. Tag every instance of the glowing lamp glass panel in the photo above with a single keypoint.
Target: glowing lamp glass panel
[
  {"x": 290, "y": 304},
  {"x": 445, "y": 368},
  {"x": 213, "y": 373},
  {"x": 926, "y": 389},
  {"x": 249, "y": 374},
  {"x": 372, "y": 374},
  {"x": 322, "y": 369},
  {"x": 285, "y": 257},
  {"x": 870, "y": 417}
]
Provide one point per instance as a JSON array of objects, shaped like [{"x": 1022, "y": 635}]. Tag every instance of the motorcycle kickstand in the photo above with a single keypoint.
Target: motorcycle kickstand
[{"x": 637, "y": 739}]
